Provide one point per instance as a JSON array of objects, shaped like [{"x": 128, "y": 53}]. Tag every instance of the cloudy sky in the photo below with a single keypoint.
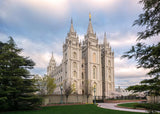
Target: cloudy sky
[{"x": 41, "y": 26}]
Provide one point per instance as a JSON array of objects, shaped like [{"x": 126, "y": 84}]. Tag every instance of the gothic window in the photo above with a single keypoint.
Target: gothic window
[
  {"x": 82, "y": 75},
  {"x": 109, "y": 63},
  {"x": 82, "y": 91},
  {"x": 75, "y": 74},
  {"x": 82, "y": 83},
  {"x": 109, "y": 71},
  {"x": 74, "y": 65},
  {"x": 94, "y": 72},
  {"x": 94, "y": 57},
  {"x": 74, "y": 55},
  {"x": 110, "y": 87},
  {"x": 66, "y": 56},
  {"x": 109, "y": 77}
]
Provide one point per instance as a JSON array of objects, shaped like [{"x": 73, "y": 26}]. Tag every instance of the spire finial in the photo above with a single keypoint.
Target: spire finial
[{"x": 90, "y": 29}]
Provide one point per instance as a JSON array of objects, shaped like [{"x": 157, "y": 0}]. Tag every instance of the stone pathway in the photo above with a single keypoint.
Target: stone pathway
[{"x": 113, "y": 107}]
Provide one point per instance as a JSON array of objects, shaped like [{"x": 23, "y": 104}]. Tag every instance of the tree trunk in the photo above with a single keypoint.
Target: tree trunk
[{"x": 66, "y": 99}]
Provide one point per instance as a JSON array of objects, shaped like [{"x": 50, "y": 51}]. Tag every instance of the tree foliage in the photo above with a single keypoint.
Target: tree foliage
[
  {"x": 45, "y": 84},
  {"x": 16, "y": 85},
  {"x": 150, "y": 19},
  {"x": 147, "y": 56}
]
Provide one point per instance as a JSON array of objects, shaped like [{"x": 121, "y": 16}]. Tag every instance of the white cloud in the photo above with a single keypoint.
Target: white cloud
[
  {"x": 58, "y": 8},
  {"x": 125, "y": 68},
  {"x": 123, "y": 41},
  {"x": 93, "y": 5},
  {"x": 40, "y": 53}
]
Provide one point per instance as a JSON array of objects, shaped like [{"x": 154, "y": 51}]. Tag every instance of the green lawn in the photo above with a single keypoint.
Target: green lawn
[
  {"x": 129, "y": 105},
  {"x": 72, "y": 109}
]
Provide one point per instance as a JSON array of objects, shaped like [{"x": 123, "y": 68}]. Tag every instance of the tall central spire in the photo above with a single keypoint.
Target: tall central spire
[
  {"x": 71, "y": 29},
  {"x": 90, "y": 28}
]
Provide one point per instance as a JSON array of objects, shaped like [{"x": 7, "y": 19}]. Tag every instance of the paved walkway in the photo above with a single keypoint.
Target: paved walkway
[{"x": 113, "y": 107}]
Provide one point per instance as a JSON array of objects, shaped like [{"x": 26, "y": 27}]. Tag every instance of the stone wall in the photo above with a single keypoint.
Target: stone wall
[
  {"x": 152, "y": 99},
  {"x": 55, "y": 99}
]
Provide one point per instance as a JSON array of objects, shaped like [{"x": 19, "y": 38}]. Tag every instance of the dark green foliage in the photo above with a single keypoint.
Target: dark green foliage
[
  {"x": 73, "y": 109},
  {"x": 16, "y": 86},
  {"x": 148, "y": 56},
  {"x": 152, "y": 108},
  {"x": 150, "y": 19}
]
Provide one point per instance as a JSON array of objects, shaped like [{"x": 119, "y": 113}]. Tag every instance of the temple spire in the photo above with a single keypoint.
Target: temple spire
[
  {"x": 71, "y": 29},
  {"x": 52, "y": 58},
  {"x": 105, "y": 38},
  {"x": 90, "y": 28}
]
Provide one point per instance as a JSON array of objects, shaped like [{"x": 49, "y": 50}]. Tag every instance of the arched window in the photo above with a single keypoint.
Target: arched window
[
  {"x": 110, "y": 87},
  {"x": 94, "y": 57},
  {"x": 109, "y": 63},
  {"x": 74, "y": 55},
  {"x": 82, "y": 75},
  {"x": 94, "y": 72},
  {"x": 109, "y": 77},
  {"x": 75, "y": 74},
  {"x": 109, "y": 71},
  {"x": 74, "y": 65}
]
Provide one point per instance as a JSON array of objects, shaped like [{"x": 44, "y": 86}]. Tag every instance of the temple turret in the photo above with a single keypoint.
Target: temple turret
[
  {"x": 52, "y": 65},
  {"x": 72, "y": 33},
  {"x": 90, "y": 28}
]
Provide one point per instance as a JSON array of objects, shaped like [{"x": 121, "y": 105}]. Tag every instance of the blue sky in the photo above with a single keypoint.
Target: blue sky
[{"x": 41, "y": 26}]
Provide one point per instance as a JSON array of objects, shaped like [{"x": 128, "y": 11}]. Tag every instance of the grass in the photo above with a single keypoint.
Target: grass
[
  {"x": 72, "y": 109},
  {"x": 128, "y": 105}
]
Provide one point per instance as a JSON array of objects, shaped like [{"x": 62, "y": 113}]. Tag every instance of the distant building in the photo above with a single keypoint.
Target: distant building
[
  {"x": 123, "y": 92},
  {"x": 85, "y": 65}
]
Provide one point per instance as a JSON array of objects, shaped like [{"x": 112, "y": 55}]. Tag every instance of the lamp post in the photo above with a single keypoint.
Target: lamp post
[
  {"x": 61, "y": 102},
  {"x": 94, "y": 95}
]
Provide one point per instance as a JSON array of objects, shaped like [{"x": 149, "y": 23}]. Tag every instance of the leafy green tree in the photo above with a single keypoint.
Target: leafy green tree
[
  {"x": 147, "y": 56},
  {"x": 45, "y": 84},
  {"x": 50, "y": 84},
  {"x": 17, "y": 88}
]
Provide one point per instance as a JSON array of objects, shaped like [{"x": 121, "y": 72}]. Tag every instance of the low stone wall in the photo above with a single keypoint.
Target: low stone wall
[
  {"x": 55, "y": 99},
  {"x": 153, "y": 99}
]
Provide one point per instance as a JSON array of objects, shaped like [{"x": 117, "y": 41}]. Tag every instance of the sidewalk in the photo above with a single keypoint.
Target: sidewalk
[{"x": 113, "y": 107}]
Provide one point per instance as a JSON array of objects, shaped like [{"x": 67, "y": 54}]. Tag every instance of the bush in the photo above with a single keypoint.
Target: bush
[{"x": 152, "y": 108}]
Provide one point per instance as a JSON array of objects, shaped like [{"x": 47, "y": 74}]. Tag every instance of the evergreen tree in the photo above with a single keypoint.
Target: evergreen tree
[
  {"x": 147, "y": 56},
  {"x": 16, "y": 84}
]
